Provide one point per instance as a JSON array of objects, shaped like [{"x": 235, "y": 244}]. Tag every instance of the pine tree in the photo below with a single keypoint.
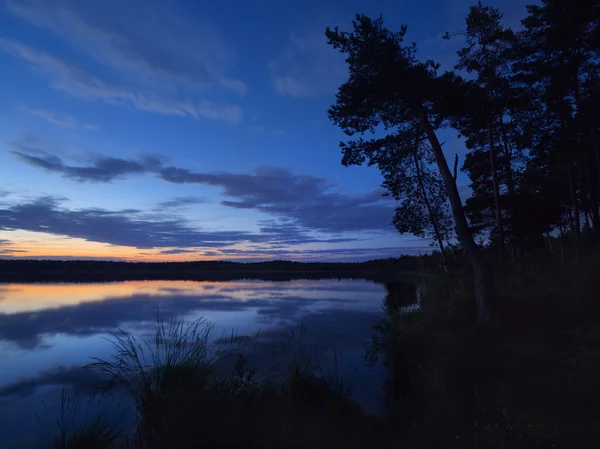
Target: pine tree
[{"x": 388, "y": 87}]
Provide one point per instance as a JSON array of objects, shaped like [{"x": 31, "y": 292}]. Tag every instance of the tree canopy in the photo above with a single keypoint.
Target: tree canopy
[{"x": 527, "y": 104}]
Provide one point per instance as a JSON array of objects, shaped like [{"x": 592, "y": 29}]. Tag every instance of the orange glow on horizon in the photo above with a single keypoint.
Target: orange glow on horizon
[
  {"x": 38, "y": 244},
  {"x": 31, "y": 245}
]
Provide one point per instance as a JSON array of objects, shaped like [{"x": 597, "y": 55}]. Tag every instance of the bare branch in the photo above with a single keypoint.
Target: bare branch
[{"x": 455, "y": 166}]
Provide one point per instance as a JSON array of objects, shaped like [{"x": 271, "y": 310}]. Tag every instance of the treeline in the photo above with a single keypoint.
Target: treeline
[
  {"x": 276, "y": 270},
  {"x": 532, "y": 123},
  {"x": 526, "y": 103}
]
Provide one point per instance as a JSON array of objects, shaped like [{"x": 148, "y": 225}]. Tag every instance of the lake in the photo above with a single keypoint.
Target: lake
[{"x": 49, "y": 331}]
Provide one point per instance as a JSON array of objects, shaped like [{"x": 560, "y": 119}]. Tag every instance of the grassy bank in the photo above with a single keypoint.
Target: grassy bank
[{"x": 528, "y": 381}]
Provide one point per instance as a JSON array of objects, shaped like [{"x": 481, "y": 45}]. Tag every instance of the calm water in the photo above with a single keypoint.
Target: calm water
[{"x": 47, "y": 332}]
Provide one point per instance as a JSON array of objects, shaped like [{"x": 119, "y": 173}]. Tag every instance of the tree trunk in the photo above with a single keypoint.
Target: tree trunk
[
  {"x": 494, "y": 172},
  {"x": 596, "y": 206},
  {"x": 562, "y": 242},
  {"x": 588, "y": 226},
  {"x": 434, "y": 221},
  {"x": 549, "y": 240},
  {"x": 510, "y": 185},
  {"x": 576, "y": 218},
  {"x": 484, "y": 289},
  {"x": 571, "y": 223}
]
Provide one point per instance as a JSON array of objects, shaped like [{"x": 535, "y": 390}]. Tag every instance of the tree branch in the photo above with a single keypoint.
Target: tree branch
[{"x": 455, "y": 166}]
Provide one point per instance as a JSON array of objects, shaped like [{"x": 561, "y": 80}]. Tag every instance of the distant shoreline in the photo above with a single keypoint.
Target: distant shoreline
[{"x": 28, "y": 271}]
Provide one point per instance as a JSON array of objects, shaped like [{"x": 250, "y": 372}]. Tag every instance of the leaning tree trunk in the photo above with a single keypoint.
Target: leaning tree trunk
[
  {"x": 484, "y": 290},
  {"x": 596, "y": 205},
  {"x": 432, "y": 217},
  {"x": 576, "y": 218},
  {"x": 510, "y": 186},
  {"x": 496, "y": 188}
]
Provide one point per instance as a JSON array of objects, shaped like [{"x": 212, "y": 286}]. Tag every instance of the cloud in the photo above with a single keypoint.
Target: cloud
[
  {"x": 66, "y": 258},
  {"x": 12, "y": 251},
  {"x": 64, "y": 121},
  {"x": 308, "y": 67},
  {"x": 300, "y": 203},
  {"x": 146, "y": 39},
  {"x": 104, "y": 169},
  {"x": 178, "y": 251},
  {"x": 226, "y": 112},
  {"x": 340, "y": 251},
  {"x": 134, "y": 228},
  {"x": 78, "y": 83},
  {"x": 324, "y": 255},
  {"x": 5, "y": 248},
  {"x": 181, "y": 201},
  {"x": 125, "y": 228},
  {"x": 308, "y": 201}
]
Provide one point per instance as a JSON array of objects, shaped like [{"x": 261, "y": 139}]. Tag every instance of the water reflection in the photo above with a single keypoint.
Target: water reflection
[
  {"x": 47, "y": 332},
  {"x": 30, "y": 312}
]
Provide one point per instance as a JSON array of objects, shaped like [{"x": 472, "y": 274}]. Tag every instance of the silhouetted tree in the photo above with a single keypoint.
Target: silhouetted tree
[
  {"x": 423, "y": 209},
  {"x": 487, "y": 54},
  {"x": 404, "y": 161},
  {"x": 559, "y": 59},
  {"x": 389, "y": 88}
]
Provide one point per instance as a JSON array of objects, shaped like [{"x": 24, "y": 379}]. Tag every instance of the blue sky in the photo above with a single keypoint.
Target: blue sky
[{"x": 174, "y": 130}]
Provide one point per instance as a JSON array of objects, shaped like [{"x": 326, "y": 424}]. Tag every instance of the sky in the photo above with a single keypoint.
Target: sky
[{"x": 183, "y": 130}]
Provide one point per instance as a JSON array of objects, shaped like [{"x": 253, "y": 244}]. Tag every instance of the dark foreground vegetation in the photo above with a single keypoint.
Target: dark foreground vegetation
[
  {"x": 528, "y": 381},
  {"x": 189, "y": 391}
]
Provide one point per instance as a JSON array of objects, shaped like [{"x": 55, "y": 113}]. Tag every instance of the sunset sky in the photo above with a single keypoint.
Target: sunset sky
[{"x": 180, "y": 130}]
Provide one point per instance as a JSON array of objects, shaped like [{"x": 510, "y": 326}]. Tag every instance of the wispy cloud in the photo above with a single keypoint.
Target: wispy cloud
[
  {"x": 339, "y": 253},
  {"x": 65, "y": 121},
  {"x": 178, "y": 251},
  {"x": 160, "y": 61},
  {"x": 5, "y": 252},
  {"x": 68, "y": 78},
  {"x": 182, "y": 201},
  {"x": 151, "y": 39},
  {"x": 308, "y": 67},
  {"x": 217, "y": 111},
  {"x": 303, "y": 202},
  {"x": 105, "y": 169},
  {"x": 123, "y": 228}
]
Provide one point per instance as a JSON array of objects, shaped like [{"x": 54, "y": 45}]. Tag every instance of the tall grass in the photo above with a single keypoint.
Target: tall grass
[
  {"x": 165, "y": 376},
  {"x": 81, "y": 425},
  {"x": 190, "y": 390},
  {"x": 179, "y": 353},
  {"x": 307, "y": 374}
]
